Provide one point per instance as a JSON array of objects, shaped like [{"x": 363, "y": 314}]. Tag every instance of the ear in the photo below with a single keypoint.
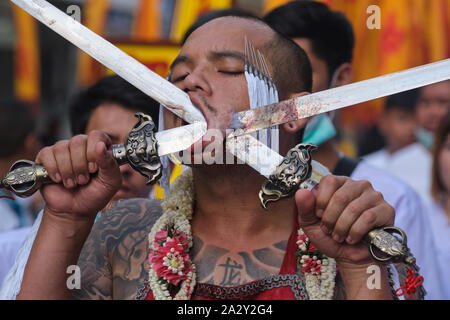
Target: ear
[
  {"x": 343, "y": 75},
  {"x": 294, "y": 126}
]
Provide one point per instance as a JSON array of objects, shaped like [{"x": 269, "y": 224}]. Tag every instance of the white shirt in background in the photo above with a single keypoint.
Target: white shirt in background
[
  {"x": 10, "y": 243},
  {"x": 411, "y": 164},
  {"x": 440, "y": 224}
]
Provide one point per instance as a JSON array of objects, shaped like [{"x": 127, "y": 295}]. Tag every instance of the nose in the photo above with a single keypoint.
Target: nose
[{"x": 197, "y": 81}]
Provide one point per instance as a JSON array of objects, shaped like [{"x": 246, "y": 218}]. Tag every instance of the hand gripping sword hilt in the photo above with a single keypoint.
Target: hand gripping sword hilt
[
  {"x": 296, "y": 170},
  {"x": 140, "y": 150}
]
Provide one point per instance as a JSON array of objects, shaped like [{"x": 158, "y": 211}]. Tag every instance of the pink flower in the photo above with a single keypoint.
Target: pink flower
[
  {"x": 170, "y": 261},
  {"x": 311, "y": 266},
  {"x": 161, "y": 236},
  {"x": 302, "y": 238},
  {"x": 311, "y": 248}
]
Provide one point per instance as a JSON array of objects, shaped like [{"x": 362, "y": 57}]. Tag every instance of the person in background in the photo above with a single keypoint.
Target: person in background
[
  {"x": 327, "y": 38},
  {"x": 18, "y": 140},
  {"x": 433, "y": 105},
  {"x": 440, "y": 188},
  {"x": 110, "y": 106},
  {"x": 403, "y": 156}
]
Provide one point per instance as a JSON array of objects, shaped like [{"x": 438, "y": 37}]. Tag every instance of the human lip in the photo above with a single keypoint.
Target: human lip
[{"x": 200, "y": 104}]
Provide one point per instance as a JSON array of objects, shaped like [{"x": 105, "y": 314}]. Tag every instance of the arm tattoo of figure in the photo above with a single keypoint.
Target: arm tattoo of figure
[{"x": 113, "y": 259}]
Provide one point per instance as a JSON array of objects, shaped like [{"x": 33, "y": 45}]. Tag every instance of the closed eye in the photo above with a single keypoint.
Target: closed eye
[
  {"x": 181, "y": 78},
  {"x": 232, "y": 73}
]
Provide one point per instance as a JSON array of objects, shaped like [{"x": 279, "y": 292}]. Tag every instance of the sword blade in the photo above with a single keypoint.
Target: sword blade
[
  {"x": 325, "y": 101},
  {"x": 263, "y": 159},
  {"x": 113, "y": 58},
  {"x": 178, "y": 139}
]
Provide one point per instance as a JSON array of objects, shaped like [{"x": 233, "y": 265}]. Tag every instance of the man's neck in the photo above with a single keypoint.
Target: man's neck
[
  {"x": 228, "y": 209},
  {"x": 327, "y": 154}
]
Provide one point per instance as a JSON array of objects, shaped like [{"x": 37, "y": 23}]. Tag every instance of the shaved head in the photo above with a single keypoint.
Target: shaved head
[{"x": 289, "y": 65}]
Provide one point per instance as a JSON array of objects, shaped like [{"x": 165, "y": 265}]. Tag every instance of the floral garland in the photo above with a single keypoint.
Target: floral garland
[
  {"x": 320, "y": 271},
  {"x": 170, "y": 240}
]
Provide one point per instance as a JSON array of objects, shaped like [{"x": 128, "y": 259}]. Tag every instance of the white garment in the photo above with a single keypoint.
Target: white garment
[
  {"x": 412, "y": 217},
  {"x": 8, "y": 217},
  {"x": 13, "y": 280},
  {"x": 412, "y": 164},
  {"x": 440, "y": 224},
  {"x": 10, "y": 243},
  {"x": 9, "y": 220}
]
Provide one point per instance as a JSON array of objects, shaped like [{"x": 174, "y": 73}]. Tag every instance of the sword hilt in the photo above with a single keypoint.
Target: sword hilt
[{"x": 140, "y": 151}]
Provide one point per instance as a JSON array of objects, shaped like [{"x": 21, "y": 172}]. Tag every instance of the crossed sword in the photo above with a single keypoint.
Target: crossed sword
[{"x": 144, "y": 145}]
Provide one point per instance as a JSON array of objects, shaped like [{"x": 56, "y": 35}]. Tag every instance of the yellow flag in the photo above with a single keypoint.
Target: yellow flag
[
  {"x": 95, "y": 14},
  {"x": 26, "y": 55},
  {"x": 147, "y": 25},
  {"x": 187, "y": 11},
  {"x": 159, "y": 192},
  {"x": 269, "y": 5}
]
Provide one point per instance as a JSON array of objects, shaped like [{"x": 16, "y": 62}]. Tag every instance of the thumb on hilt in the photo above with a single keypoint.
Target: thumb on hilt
[
  {"x": 108, "y": 169},
  {"x": 305, "y": 202}
]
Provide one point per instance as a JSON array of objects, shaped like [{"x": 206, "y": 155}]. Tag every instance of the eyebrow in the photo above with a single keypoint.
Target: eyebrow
[
  {"x": 217, "y": 55},
  {"x": 214, "y": 56},
  {"x": 181, "y": 59}
]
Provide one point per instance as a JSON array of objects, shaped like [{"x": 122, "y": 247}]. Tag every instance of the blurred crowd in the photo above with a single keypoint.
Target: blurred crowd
[{"x": 410, "y": 141}]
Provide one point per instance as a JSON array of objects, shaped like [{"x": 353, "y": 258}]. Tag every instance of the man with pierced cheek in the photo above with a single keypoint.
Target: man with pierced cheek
[{"x": 210, "y": 239}]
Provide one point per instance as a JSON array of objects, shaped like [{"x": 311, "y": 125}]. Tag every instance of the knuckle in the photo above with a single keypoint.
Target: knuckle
[
  {"x": 356, "y": 233},
  {"x": 370, "y": 217},
  {"x": 331, "y": 181},
  {"x": 44, "y": 152},
  {"x": 60, "y": 146},
  {"x": 379, "y": 196},
  {"x": 353, "y": 210},
  {"x": 365, "y": 185},
  {"x": 327, "y": 221},
  {"x": 77, "y": 141},
  {"x": 341, "y": 197},
  {"x": 390, "y": 212}
]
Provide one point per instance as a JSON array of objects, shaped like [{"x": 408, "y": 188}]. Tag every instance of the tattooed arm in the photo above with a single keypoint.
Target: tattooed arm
[{"x": 113, "y": 261}]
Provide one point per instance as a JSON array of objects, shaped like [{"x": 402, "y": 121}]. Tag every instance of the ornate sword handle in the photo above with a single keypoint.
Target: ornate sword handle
[
  {"x": 140, "y": 150},
  {"x": 289, "y": 175},
  {"x": 25, "y": 178}
]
